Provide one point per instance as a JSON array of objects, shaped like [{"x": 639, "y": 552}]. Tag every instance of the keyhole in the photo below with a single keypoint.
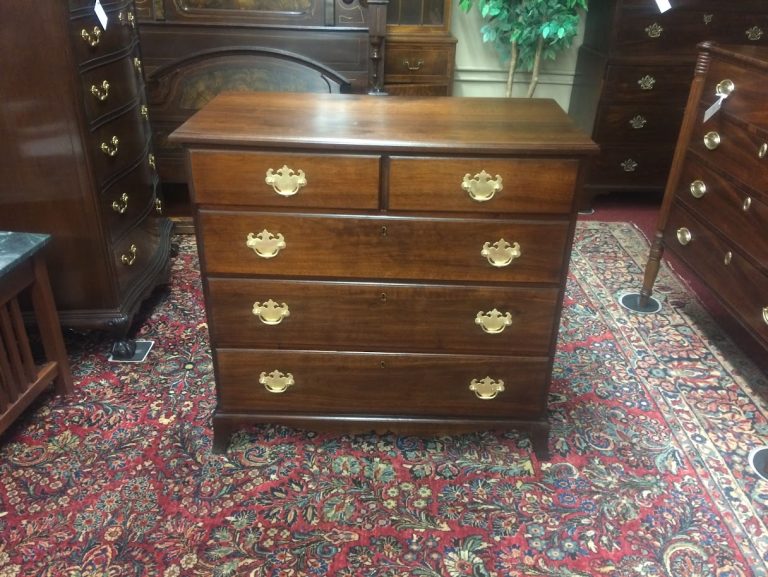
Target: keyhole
[
  {"x": 384, "y": 230},
  {"x": 383, "y": 364},
  {"x": 383, "y": 297}
]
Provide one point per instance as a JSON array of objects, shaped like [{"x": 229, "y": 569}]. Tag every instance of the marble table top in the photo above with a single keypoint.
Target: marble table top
[{"x": 16, "y": 247}]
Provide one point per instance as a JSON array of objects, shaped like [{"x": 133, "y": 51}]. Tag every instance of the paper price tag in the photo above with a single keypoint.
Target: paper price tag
[
  {"x": 100, "y": 14},
  {"x": 663, "y": 5},
  {"x": 712, "y": 110}
]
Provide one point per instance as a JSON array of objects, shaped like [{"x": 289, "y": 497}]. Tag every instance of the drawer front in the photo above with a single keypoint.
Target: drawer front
[
  {"x": 733, "y": 149},
  {"x": 125, "y": 201},
  {"x": 644, "y": 31},
  {"x": 640, "y": 166},
  {"x": 745, "y": 100},
  {"x": 109, "y": 88},
  {"x": 637, "y": 124},
  {"x": 649, "y": 84},
  {"x": 381, "y": 384},
  {"x": 135, "y": 253},
  {"x": 295, "y": 180},
  {"x": 117, "y": 145},
  {"x": 482, "y": 185},
  {"x": 742, "y": 27},
  {"x": 370, "y": 316},
  {"x": 383, "y": 248},
  {"x": 92, "y": 43},
  {"x": 736, "y": 281},
  {"x": 740, "y": 215},
  {"x": 405, "y": 62}
]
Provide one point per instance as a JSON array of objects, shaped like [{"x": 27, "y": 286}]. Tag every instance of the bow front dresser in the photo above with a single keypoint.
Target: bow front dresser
[{"x": 380, "y": 263}]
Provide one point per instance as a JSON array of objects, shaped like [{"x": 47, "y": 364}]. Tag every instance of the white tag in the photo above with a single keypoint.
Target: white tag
[
  {"x": 712, "y": 110},
  {"x": 100, "y": 14},
  {"x": 664, "y": 5}
]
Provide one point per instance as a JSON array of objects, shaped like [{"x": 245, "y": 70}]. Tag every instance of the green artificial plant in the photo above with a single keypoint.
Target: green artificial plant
[{"x": 526, "y": 32}]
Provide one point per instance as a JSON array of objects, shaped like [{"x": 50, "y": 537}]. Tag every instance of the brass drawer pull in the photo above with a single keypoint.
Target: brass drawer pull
[
  {"x": 684, "y": 236},
  {"x": 501, "y": 253},
  {"x": 646, "y": 82},
  {"x": 629, "y": 165},
  {"x": 151, "y": 161},
  {"x": 127, "y": 19},
  {"x": 130, "y": 258},
  {"x": 93, "y": 37},
  {"x": 271, "y": 313},
  {"x": 638, "y": 122},
  {"x": 763, "y": 150},
  {"x": 111, "y": 148},
  {"x": 724, "y": 88},
  {"x": 285, "y": 181},
  {"x": 121, "y": 205},
  {"x": 708, "y": 18},
  {"x": 727, "y": 257},
  {"x": 265, "y": 244},
  {"x": 747, "y": 204},
  {"x": 144, "y": 111},
  {"x": 698, "y": 189},
  {"x": 413, "y": 67},
  {"x": 101, "y": 92},
  {"x": 480, "y": 187},
  {"x": 654, "y": 30},
  {"x": 486, "y": 389},
  {"x": 493, "y": 322},
  {"x": 276, "y": 382},
  {"x": 159, "y": 205},
  {"x": 765, "y": 315},
  {"x": 712, "y": 140},
  {"x": 137, "y": 65},
  {"x": 754, "y": 34}
]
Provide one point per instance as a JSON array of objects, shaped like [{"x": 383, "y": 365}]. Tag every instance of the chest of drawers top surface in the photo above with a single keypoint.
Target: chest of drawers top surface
[{"x": 352, "y": 122}]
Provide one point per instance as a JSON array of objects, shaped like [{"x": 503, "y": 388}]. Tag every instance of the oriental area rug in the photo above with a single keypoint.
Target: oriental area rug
[{"x": 653, "y": 416}]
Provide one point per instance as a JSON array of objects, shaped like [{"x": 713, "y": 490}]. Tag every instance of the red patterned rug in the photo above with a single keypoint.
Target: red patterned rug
[{"x": 653, "y": 418}]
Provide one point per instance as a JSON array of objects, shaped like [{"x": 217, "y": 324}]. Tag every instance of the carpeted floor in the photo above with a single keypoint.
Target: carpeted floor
[{"x": 653, "y": 417}]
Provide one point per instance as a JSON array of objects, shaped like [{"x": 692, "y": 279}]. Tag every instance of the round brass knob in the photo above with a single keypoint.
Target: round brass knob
[
  {"x": 727, "y": 258},
  {"x": 698, "y": 189},
  {"x": 763, "y": 150},
  {"x": 765, "y": 315},
  {"x": 684, "y": 236},
  {"x": 746, "y": 204},
  {"x": 711, "y": 140},
  {"x": 725, "y": 87}
]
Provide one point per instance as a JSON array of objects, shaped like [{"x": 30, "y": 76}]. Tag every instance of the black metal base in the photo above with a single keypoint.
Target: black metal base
[{"x": 631, "y": 301}]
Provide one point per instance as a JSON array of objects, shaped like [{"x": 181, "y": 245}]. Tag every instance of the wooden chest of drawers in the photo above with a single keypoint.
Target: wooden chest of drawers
[
  {"x": 378, "y": 263},
  {"x": 76, "y": 157},
  {"x": 632, "y": 78},
  {"x": 715, "y": 211}
]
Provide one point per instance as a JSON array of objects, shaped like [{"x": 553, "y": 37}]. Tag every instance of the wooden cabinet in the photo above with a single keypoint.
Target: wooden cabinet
[
  {"x": 632, "y": 78},
  {"x": 383, "y": 263},
  {"x": 715, "y": 210},
  {"x": 420, "y": 52},
  {"x": 76, "y": 157}
]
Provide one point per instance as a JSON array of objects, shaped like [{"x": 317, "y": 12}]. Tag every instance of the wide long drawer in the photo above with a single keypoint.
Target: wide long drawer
[
  {"x": 345, "y": 246},
  {"x": 381, "y": 384},
  {"x": 482, "y": 185},
  {"x": 740, "y": 214},
  {"x": 373, "y": 316},
  {"x": 738, "y": 283}
]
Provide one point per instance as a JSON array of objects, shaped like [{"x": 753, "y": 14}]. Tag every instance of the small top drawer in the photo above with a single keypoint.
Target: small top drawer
[
  {"x": 92, "y": 42},
  {"x": 417, "y": 61},
  {"x": 482, "y": 185},
  {"x": 242, "y": 178},
  {"x": 745, "y": 91}
]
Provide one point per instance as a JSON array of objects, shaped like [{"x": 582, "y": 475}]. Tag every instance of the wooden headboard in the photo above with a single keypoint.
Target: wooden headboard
[{"x": 193, "y": 49}]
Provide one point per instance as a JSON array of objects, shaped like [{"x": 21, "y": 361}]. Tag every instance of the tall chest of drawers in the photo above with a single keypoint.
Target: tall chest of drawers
[
  {"x": 715, "y": 210},
  {"x": 633, "y": 73},
  {"x": 381, "y": 263},
  {"x": 76, "y": 156}
]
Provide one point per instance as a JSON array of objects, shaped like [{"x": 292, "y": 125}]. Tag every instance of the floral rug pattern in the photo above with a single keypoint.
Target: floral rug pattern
[{"x": 652, "y": 420}]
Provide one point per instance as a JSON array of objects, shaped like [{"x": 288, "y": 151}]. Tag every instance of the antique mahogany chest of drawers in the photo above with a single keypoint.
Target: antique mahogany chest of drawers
[
  {"x": 382, "y": 263},
  {"x": 715, "y": 210},
  {"x": 76, "y": 156},
  {"x": 634, "y": 70}
]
